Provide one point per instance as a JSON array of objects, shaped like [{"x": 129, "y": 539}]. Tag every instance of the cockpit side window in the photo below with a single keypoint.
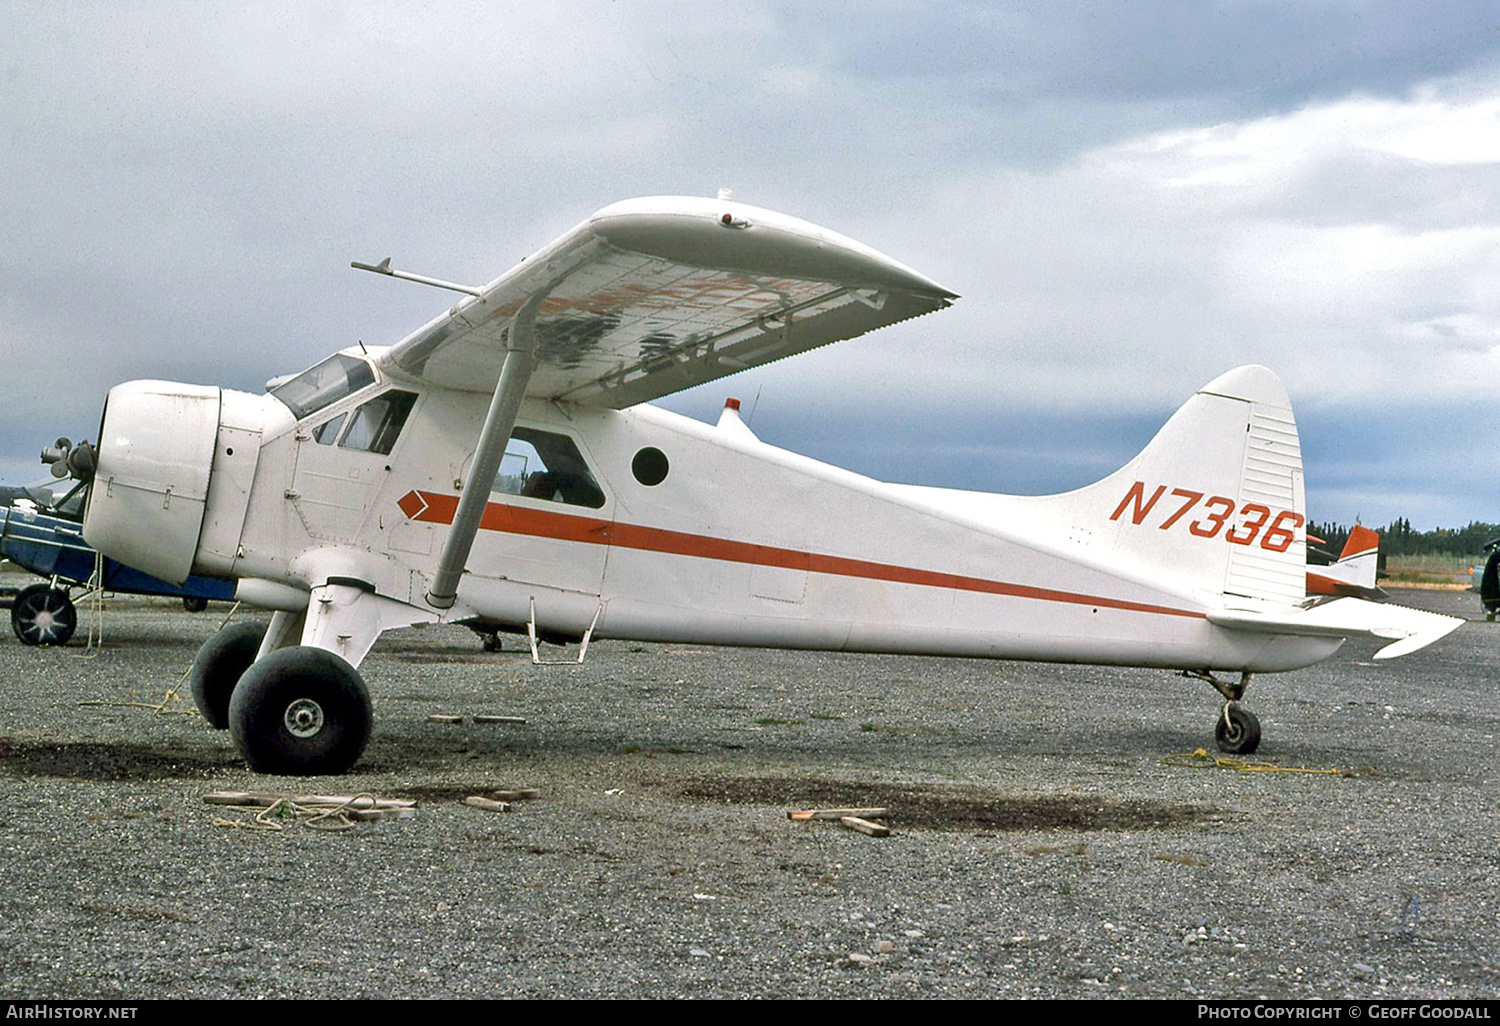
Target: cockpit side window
[
  {"x": 375, "y": 425},
  {"x": 325, "y": 384},
  {"x": 326, "y": 432},
  {"x": 545, "y": 465}
]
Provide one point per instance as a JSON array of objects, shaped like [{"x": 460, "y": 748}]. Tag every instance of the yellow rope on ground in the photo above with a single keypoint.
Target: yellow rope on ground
[
  {"x": 171, "y": 695},
  {"x": 1200, "y": 759},
  {"x": 162, "y": 708},
  {"x": 315, "y": 817},
  {"x": 159, "y": 708}
]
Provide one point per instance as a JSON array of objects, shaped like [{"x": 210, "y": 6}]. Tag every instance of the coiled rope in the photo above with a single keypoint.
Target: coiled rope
[{"x": 1200, "y": 759}]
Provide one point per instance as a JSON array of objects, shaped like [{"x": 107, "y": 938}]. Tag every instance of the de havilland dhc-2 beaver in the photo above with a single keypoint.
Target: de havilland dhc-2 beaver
[{"x": 500, "y": 467}]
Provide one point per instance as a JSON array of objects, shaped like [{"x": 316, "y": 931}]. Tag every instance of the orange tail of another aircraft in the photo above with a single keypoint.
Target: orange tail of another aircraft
[{"x": 1354, "y": 573}]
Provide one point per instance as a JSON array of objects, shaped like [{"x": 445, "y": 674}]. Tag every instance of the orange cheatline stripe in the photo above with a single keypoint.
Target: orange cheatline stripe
[{"x": 440, "y": 509}]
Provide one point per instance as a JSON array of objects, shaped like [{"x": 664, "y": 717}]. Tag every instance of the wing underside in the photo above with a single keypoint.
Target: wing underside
[{"x": 653, "y": 296}]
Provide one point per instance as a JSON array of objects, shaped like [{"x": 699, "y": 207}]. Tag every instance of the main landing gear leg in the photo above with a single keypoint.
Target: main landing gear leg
[
  {"x": 1237, "y": 731},
  {"x": 302, "y": 709}
]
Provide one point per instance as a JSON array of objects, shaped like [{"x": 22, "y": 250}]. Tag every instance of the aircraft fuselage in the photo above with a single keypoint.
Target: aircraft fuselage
[{"x": 704, "y": 534}]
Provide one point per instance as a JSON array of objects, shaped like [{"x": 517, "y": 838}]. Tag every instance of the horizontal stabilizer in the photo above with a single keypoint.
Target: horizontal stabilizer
[{"x": 1407, "y": 629}]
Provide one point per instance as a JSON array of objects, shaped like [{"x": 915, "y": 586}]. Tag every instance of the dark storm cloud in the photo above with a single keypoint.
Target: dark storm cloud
[{"x": 1245, "y": 57}]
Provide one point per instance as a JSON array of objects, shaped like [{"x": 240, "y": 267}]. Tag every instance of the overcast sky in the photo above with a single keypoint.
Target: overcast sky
[{"x": 1131, "y": 197}]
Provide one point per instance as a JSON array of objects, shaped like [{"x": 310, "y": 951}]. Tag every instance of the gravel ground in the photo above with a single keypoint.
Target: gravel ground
[{"x": 1041, "y": 845}]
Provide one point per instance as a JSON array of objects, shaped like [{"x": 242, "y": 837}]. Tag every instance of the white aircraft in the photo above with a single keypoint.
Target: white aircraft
[{"x": 499, "y": 468}]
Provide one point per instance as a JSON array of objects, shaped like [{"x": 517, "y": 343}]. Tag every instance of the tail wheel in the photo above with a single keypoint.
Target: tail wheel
[
  {"x": 218, "y": 666},
  {"x": 43, "y": 615},
  {"x": 300, "y": 712},
  {"x": 1238, "y": 730}
]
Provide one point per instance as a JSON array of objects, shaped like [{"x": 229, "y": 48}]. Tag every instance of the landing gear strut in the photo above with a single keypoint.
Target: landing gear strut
[{"x": 1237, "y": 731}]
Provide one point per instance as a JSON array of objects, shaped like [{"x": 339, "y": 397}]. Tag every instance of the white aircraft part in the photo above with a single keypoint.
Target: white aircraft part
[
  {"x": 731, "y": 424},
  {"x": 651, "y": 296},
  {"x": 1408, "y": 629},
  {"x": 510, "y": 388},
  {"x": 1272, "y": 479},
  {"x": 1213, "y": 504},
  {"x": 347, "y": 619},
  {"x": 156, "y": 447},
  {"x": 242, "y": 419},
  {"x": 751, "y": 545},
  {"x": 276, "y": 595}
]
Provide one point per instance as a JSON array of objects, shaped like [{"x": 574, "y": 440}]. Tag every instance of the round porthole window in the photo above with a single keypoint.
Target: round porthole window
[{"x": 650, "y": 466}]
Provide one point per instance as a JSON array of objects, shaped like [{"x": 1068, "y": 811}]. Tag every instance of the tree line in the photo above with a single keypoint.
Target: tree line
[{"x": 1398, "y": 539}]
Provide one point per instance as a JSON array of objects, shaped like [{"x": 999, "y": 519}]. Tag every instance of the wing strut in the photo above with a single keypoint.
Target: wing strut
[{"x": 515, "y": 372}]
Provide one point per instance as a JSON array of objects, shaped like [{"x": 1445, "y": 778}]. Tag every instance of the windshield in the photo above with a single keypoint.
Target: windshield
[{"x": 324, "y": 384}]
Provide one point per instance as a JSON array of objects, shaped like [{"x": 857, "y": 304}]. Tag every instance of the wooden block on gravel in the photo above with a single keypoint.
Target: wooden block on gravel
[
  {"x": 864, "y": 826},
  {"x": 805, "y": 814},
  {"x": 487, "y": 804}
]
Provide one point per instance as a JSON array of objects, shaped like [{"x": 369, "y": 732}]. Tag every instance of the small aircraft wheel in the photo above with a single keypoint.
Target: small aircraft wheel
[
  {"x": 1238, "y": 730},
  {"x": 43, "y": 615},
  {"x": 302, "y": 712},
  {"x": 492, "y": 642},
  {"x": 194, "y": 604},
  {"x": 218, "y": 666}
]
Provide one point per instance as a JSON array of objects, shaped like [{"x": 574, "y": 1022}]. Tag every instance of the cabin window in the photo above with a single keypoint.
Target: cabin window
[
  {"x": 650, "y": 466},
  {"x": 376, "y": 424},
  {"x": 326, "y": 432},
  {"x": 325, "y": 384},
  {"x": 548, "y": 466}
]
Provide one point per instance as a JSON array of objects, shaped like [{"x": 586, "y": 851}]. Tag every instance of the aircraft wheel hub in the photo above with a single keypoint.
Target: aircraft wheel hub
[{"x": 304, "y": 718}]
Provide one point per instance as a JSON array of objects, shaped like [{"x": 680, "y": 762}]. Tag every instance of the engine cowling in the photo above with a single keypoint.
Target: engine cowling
[
  {"x": 172, "y": 484},
  {"x": 156, "y": 451}
]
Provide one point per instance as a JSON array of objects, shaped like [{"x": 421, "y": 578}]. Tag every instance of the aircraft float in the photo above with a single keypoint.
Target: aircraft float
[{"x": 501, "y": 467}]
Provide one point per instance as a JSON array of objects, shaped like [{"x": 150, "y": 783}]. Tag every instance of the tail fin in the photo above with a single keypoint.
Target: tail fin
[
  {"x": 1215, "y": 502},
  {"x": 1361, "y": 542},
  {"x": 1215, "y": 505}
]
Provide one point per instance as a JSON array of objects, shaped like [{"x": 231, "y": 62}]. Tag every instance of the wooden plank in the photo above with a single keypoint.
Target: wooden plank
[
  {"x": 486, "y": 718},
  {"x": 369, "y": 814},
  {"x": 864, "y": 826},
  {"x": 487, "y": 804},
  {"x": 806, "y": 814}
]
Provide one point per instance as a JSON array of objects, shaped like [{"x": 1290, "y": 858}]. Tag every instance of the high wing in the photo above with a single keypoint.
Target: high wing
[{"x": 654, "y": 295}]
